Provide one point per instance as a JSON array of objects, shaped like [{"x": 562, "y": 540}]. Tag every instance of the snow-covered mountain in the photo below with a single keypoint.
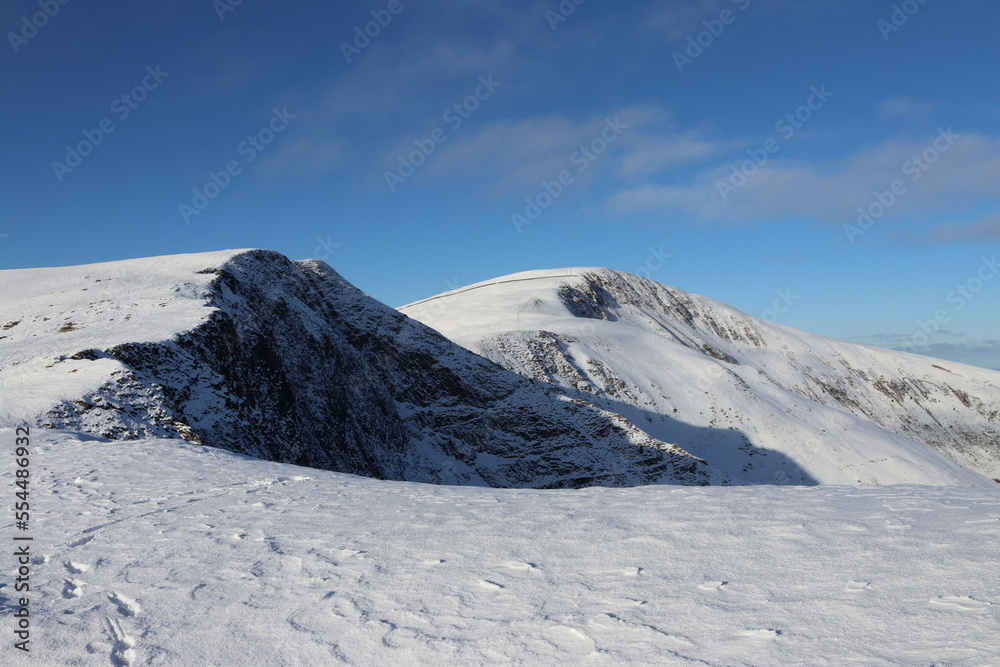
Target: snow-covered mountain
[
  {"x": 761, "y": 402},
  {"x": 599, "y": 378},
  {"x": 150, "y": 551},
  {"x": 282, "y": 360}
]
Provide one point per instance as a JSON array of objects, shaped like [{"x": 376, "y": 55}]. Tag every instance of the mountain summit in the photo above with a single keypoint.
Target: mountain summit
[
  {"x": 254, "y": 353},
  {"x": 761, "y": 402}
]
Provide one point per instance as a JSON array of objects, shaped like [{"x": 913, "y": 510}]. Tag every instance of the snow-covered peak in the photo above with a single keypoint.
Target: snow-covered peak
[
  {"x": 249, "y": 351},
  {"x": 792, "y": 405},
  {"x": 560, "y": 298}
]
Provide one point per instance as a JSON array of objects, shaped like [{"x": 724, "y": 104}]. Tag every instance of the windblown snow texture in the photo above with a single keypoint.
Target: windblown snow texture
[
  {"x": 157, "y": 552},
  {"x": 282, "y": 360}
]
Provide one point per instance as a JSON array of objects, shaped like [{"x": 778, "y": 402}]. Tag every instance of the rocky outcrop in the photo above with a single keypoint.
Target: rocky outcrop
[{"x": 293, "y": 364}]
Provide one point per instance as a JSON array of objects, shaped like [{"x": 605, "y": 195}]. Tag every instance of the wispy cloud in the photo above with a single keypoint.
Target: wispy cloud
[
  {"x": 506, "y": 156},
  {"x": 984, "y": 345},
  {"x": 897, "y": 339},
  {"x": 366, "y": 114},
  {"x": 783, "y": 189},
  {"x": 906, "y": 107},
  {"x": 678, "y": 20},
  {"x": 651, "y": 154},
  {"x": 405, "y": 79},
  {"x": 984, "y": 230}
]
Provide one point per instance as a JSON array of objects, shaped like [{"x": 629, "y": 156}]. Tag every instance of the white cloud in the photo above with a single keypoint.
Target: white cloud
[
  {"x": 424, "y": 61},
  {"x": 985, "y": 229},
  {"x": 781, "y": 189},
  {"x": 985, "y": 345},
  {"x": 508, "y": 156},
  {"x": 905, "y": 107},
  {"x": 650, "y": 154}
]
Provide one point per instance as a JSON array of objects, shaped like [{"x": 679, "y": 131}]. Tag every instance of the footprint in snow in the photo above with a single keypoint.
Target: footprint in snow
[
  {"x": 72, "y": 588},
  {"x": 122, "y": 651},
  {"x": 960, "y": 603},
  {"x": 254, "y": 534},
  {"x": 518, "y": 566},
  {"x": 766, "y": 633},
  {"x": 348, "y": 553},
  {"x": 713, "y": 586},
  {"x": 490, "y": 586},
  {"x": 855, "y": 586},
  {"x": 75, "y": 568},
  {"x": 126, "y": 606},
  {"x": 83, "y": 540}
]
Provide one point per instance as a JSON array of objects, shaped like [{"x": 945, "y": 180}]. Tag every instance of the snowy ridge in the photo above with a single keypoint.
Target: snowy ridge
[
  {"x": 286, "y": 361},
  {"x": 155, "y": 552},
  {"x": 762, "y": 402}
]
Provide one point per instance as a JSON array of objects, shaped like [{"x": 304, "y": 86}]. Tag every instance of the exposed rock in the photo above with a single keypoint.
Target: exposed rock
[{"x": 287, "y": 361}]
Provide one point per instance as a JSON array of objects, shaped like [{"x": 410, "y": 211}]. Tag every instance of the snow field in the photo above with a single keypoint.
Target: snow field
[{"x": 160, "y": 552}]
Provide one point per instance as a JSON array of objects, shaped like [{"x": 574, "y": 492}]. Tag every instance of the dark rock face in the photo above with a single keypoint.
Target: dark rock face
[
  {"x": 296, "y": 365},
  {"x": 609, "y": 296}
]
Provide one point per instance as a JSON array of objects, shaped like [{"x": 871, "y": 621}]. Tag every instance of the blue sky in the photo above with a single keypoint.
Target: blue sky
[{"x": 831, "y": 165}]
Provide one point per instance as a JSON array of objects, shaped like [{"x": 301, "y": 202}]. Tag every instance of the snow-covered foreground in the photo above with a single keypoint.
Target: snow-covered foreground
[{"x": 163, "y": 552}]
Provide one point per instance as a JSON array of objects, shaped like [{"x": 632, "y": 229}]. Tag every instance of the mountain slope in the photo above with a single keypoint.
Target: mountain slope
[
  {"x": 282, "y": 360},
  {"x": 842, "y": 413}
]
